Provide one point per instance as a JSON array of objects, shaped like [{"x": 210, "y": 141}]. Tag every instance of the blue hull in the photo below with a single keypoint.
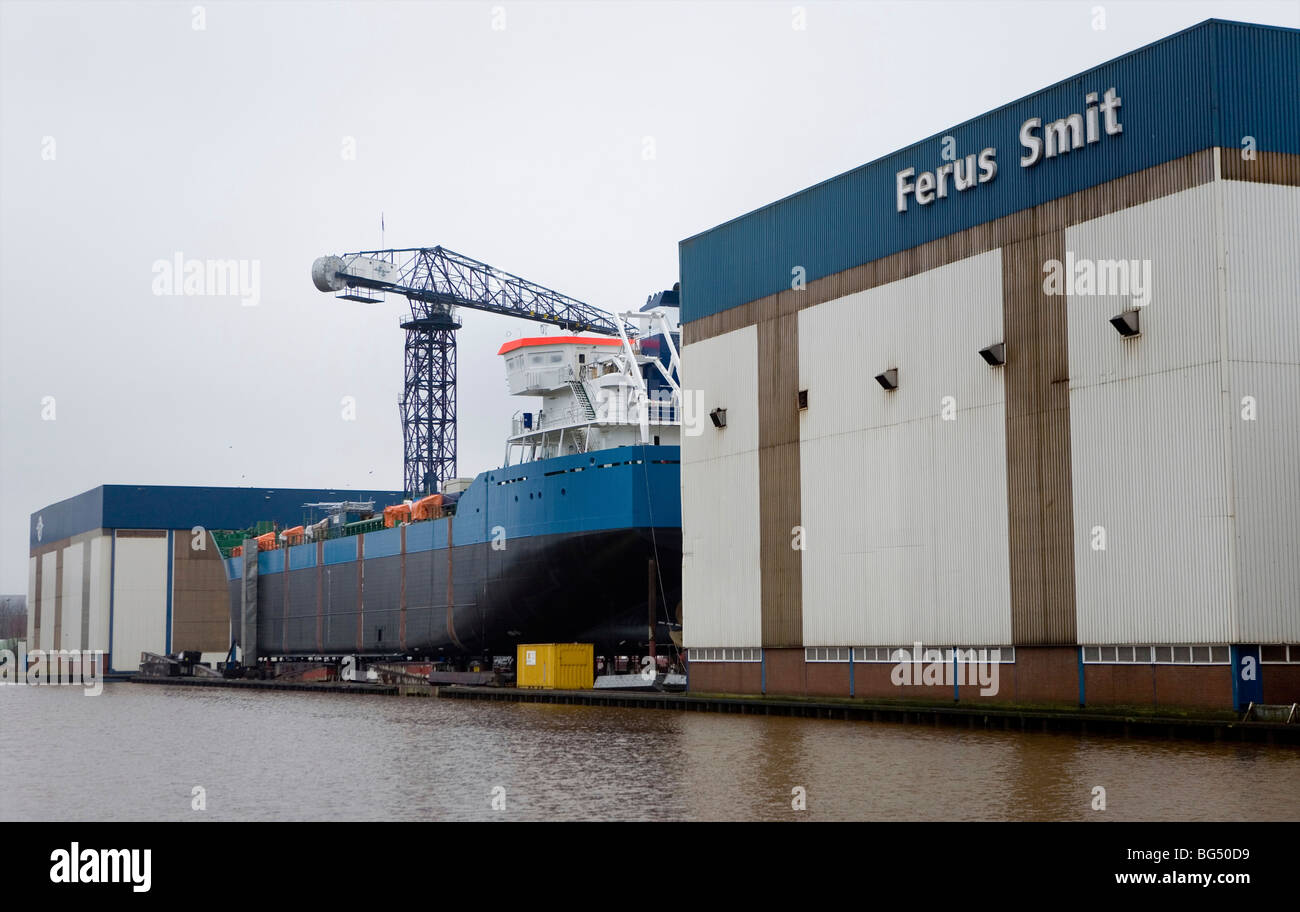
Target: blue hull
[{"x": 549, "y": 551}]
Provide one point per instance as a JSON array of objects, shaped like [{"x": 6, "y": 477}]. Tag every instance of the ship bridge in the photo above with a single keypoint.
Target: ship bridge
[{"x": 596, "y": 392}]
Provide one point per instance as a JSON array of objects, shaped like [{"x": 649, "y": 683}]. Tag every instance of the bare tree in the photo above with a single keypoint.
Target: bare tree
[{"x": 13, "y": 616}]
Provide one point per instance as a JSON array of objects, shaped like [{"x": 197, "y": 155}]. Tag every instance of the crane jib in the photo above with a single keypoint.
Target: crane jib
[{"x": 436, "y": 280}]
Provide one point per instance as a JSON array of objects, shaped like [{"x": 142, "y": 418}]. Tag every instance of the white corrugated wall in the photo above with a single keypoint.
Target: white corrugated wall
[
  {"x": 101, "y": 549},
  {"x": 905, "y": 513},
  {"x": 720, "y": 495},
  {"x": 1262, "y": 237},
  {"x": 49, "y": 568},
  {"x": 1147, "y": 434},
  {"x": 70, "y": 623},
  {"x": 31, "y": 602},
  {"x": 139, "y": 600}
]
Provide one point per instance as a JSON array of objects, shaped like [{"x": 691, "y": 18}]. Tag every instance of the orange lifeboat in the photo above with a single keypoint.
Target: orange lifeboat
[
  {"x": 397, "y": 513},
  {"x": 292, "y": 536},
  {"x": 266, "y": 542},
  {"x": 427, "y": 507}
]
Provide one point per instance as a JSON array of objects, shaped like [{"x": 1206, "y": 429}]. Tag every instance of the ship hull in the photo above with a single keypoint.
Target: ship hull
[{"x": 513, "y": 582}]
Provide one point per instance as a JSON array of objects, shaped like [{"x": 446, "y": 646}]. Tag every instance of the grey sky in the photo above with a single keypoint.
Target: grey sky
[{"x": 524, "y": 146}]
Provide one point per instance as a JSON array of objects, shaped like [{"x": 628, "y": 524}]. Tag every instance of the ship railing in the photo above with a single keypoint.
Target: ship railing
[
  {"x": 662, "y": 412},
  {"x": 566, "y": 418},
  {"x": 517, "y": 427}
]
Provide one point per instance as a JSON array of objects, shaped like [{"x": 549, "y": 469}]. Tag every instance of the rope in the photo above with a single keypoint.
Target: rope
[{"x": 654, "y": 542}]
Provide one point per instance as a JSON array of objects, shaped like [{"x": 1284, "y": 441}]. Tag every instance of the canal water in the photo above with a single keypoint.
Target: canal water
[{"x": 140, "y": 752}]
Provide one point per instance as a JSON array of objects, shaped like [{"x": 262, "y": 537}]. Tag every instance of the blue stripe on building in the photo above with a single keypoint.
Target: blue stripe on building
[
  {"x": 1193, "y": 90},
  {"x": 183, "y": 507}
]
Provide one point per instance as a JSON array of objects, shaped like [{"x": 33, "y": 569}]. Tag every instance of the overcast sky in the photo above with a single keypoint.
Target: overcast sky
[{"x": 573, "y": 144}]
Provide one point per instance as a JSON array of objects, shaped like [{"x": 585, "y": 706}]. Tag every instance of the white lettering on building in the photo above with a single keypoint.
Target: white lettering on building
[{"x": 1040, "y": 141}]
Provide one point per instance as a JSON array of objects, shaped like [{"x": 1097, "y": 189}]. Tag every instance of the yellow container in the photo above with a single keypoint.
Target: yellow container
[{"x": 556, "y": 666}]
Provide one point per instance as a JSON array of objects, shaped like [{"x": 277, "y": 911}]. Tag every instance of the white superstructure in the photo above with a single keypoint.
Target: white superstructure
[{"x": 596, "y": 392}]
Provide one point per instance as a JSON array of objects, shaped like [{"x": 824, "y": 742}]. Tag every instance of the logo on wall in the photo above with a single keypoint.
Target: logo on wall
[{"x": 40, "y": 527}]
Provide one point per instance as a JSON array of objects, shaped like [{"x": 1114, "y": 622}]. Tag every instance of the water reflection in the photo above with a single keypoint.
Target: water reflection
[{"x": 138, "y": 751}]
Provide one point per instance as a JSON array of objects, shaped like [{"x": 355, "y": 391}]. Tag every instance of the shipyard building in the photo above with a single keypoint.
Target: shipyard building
[
  {"x": 126, "y": 569},
  {"x": 1030, "y": 385}
]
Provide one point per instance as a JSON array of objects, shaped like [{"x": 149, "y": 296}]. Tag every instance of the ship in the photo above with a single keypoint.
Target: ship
[{"x": 576, "y": 537}]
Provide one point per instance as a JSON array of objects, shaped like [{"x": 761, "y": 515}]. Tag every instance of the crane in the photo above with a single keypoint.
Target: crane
[{"x": 436, "y": 281}]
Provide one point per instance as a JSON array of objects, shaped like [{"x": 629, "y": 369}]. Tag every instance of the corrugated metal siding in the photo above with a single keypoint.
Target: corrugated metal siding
[
  {"x": 67, "y": 518},
  {"x": 721, "y": 593},
  {"x": 139, "y": 600},
  {"x": 1038, "y": 446},
  {"x": 100, "y": 575},
  {"x": 180, "y": 507},
  {"x": 200, "y": 609},
  {"x": 184, "y": 506},
  {"x": 1262, "y": 239},
  {"x": 1257, "y": 85},
  {"x": 70, "y": 630},
  {"x": 57, "y": 613},
  {"x": 1266, "y": 167},
  {"x": 32, "y": 605},
  {"x": 1147, "y": 426},
  {"x": 49, "y": 570},
  {"x": 1262, "y": 235},
  {"x": 1167, "y": 94},
  {"x": 905, "y": 513},
  {"x": 778, "y": 462},
  {"x": 1131, "y": 190}
]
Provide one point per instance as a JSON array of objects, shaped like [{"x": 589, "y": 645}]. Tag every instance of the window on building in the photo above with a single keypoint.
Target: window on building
[
  {"x": 1155, "y": 655},
  {"x": 826, "y": 653},
  {"x": 1278, "y": 654},
  {"x": 725, "y": 654}
]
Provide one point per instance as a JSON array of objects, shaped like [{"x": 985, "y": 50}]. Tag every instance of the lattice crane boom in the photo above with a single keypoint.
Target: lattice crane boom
[{"x": 435, "y": 281}]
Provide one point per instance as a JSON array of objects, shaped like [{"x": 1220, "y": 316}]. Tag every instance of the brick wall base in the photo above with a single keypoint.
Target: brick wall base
[{"x": 1045, "y": 675}]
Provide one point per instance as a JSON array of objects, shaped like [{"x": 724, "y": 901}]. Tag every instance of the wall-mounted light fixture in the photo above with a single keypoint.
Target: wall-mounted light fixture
[
  {"x": 1126, "y": 323},
  {"x": 889, "y": 379},
  {"x": 994, "y": 355},
  {"x": 719, "y": 417}
]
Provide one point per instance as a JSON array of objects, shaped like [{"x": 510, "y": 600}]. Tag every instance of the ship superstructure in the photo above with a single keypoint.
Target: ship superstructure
[{"x": 597, "y": 393}]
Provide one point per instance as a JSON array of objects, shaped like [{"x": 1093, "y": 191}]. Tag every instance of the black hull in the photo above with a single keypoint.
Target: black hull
[{"x": 588, "y": 587}]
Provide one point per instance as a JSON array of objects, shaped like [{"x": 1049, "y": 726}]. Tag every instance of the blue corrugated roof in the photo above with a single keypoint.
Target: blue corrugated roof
[
  {"x": 183, "y": 507},
  {"x": 1211, "y": 84}
]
